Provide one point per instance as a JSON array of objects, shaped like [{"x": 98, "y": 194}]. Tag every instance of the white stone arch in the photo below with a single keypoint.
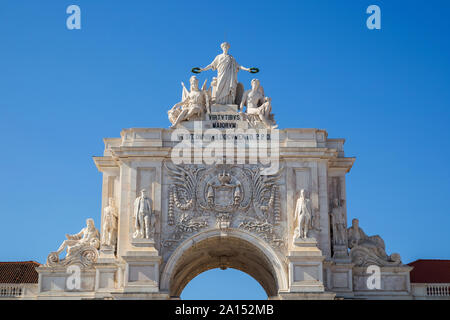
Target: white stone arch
[{"x": 274, "y": 264}]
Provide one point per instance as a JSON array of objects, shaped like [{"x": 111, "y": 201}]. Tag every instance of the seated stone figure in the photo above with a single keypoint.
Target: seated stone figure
[
  {"x": 258, "y": 106},
  {"x": 193, "y": 103},
  {"x": 87, "y": 238},
  {"x": 367, "y": 250}
]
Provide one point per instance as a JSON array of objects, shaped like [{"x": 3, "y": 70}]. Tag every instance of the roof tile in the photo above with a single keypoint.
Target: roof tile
[
  {"x": 19, "y": 272},
  {"x": 430, "y": 271}
]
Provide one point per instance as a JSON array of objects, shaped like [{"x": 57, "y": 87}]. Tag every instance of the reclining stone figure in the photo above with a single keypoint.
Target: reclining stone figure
[
  {"x": 367, "y": 250},
  {"x": 81, "y": 247}
]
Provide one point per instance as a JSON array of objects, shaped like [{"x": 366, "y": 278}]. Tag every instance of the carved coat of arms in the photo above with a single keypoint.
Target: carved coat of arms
[{"x": 222, "y": 196}]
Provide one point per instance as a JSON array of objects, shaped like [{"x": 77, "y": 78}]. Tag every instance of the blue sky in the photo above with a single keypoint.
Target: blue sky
[{"x": 385, "y": 91}]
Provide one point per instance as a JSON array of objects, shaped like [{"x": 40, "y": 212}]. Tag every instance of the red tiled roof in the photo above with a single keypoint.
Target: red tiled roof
[
  {"x": 430, "y": 271},
  {"x": 18, "y": 272}
]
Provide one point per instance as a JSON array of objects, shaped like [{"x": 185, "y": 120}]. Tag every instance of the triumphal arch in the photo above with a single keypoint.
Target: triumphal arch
[{"x": 223, "y": 187}]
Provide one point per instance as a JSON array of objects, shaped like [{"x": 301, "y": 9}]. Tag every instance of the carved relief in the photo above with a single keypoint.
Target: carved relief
[
  {"x": 223, "y": 193},
  {"x": 222, "y": 196},
  {"x": 182, "y": 199},
  {"x": 263, "y": 229}
]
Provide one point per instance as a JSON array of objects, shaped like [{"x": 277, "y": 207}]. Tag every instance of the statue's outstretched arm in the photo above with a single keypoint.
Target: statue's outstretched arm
[
  {"x": 244, "y": 68},
  {"x": 208, "y": 67}
]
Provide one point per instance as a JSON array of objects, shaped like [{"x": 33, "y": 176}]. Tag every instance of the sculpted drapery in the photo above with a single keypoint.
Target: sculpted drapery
[
  {"x": 226, "y": 81},
  {"x": 227, "y": 69}
]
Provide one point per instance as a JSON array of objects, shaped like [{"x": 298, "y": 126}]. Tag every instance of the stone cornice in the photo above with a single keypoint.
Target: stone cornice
[
  {"x": 342, "y": 163},
  {"x": 105, "y": 163},
  {"x": 155, "y": 143}
]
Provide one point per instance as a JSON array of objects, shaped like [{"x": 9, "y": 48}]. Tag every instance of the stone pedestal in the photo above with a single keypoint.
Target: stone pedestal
[
  {"x": 144, "y": 243},
  {"x": 142, "y": 267},
  {"x": 106, "y": 272},
  {"x": 341, "y": 254},
  {"x": 106, "y": 255},
  {"x": 224, "y": 108},
  {"x": 339, "y": 278},
  {"x": 305, "y": 267},
  {"x": 105, "y": 277},
  {"x": 222, "y": 116},
  {"x": 59, "y": 282},
  {"x": 394, "y": 282}
]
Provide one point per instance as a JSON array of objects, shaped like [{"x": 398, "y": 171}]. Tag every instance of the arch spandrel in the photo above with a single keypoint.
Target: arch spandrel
[{"x": 202, "y": 197}]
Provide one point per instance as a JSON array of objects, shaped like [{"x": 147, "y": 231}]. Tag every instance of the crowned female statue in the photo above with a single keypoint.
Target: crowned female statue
[{"x": 226, "y": 82}]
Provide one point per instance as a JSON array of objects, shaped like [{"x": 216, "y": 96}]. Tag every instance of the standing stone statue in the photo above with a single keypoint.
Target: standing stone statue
[
  {"x": 227, "y": 69},
  {"x": 303, "y": 216},
  {"x": 338, "y": 224},
  {"x": 144, "y": 217},
  {"x": 110, "y": 217}
]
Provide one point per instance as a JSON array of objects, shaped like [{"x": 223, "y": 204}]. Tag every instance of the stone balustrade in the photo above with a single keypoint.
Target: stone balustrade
[
  {"x": 438, "y": 289},
  {"x": 11, "y": 290}
]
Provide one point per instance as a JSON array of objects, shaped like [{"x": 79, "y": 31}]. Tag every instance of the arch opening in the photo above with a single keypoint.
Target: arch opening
[
  {"x": 229, "y": 284},
  {"x": 216, "y": 251}
]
